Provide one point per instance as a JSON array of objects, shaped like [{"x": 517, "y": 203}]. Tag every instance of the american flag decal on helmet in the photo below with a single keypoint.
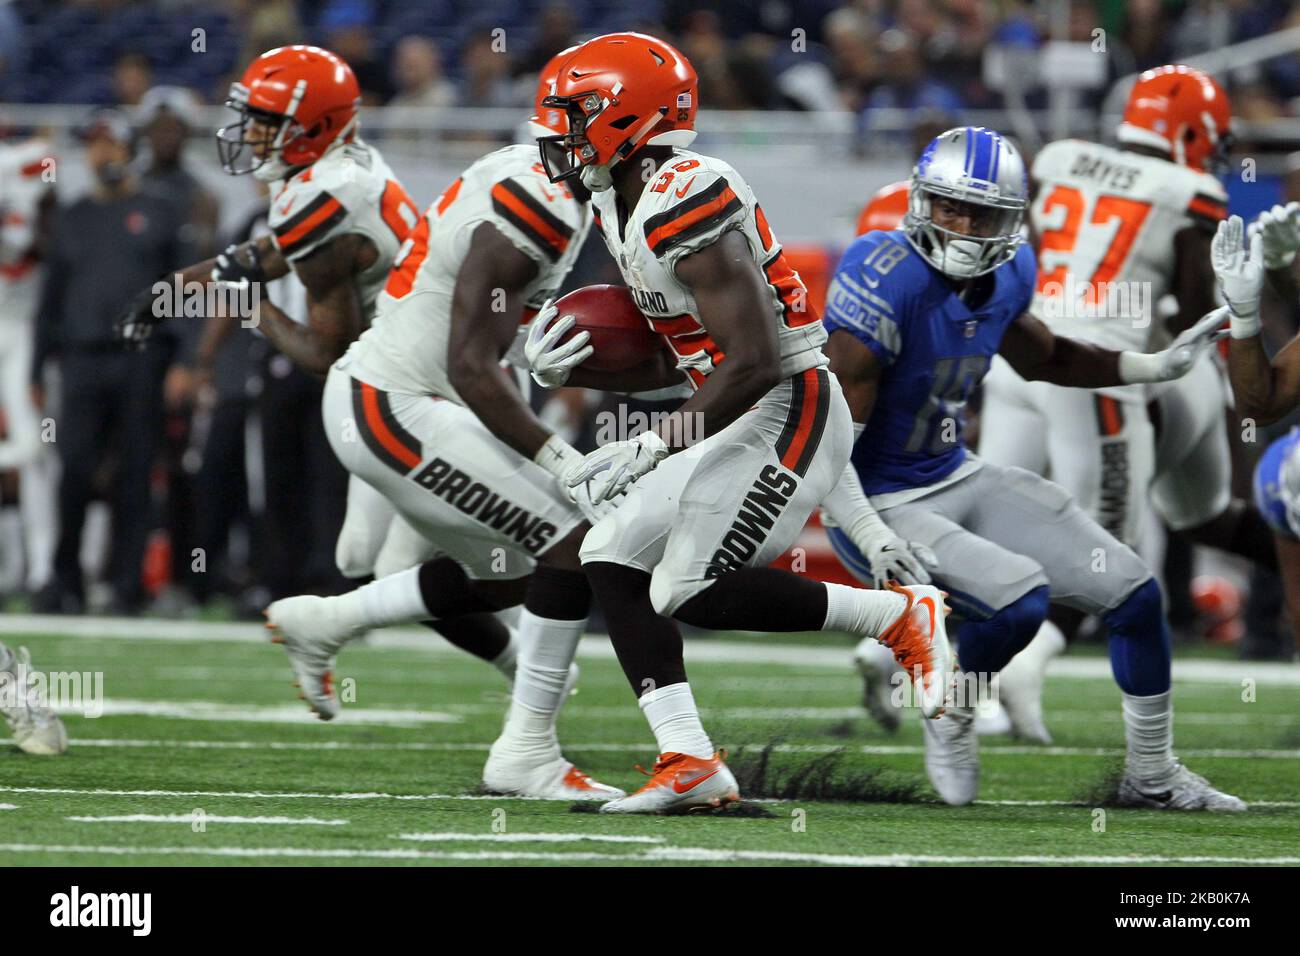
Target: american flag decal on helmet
[{"x": 684, "y": 101}]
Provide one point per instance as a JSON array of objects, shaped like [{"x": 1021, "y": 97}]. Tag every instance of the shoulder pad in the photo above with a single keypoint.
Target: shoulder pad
[
  {"x": 691, "y": 203},
  {"x": 539, "y": 216}
]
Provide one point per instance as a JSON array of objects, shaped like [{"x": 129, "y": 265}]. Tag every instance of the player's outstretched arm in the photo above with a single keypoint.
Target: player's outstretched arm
[
  {"x": 334, "y": 317},
  {"x": 1038, "y": 354},
  {"x": 256, "y": 260},
  {"x": 1264, "y": 390},
  {"x": 481, "y": 333}
]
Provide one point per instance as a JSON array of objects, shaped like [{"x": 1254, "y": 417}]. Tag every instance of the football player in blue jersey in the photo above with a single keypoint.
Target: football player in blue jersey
[
  {"x": 1277, "y": 495},
  {"x": 915, "y": 316}
]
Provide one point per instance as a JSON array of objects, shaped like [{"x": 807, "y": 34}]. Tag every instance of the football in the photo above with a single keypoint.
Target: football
[{"x": 620, "y": 334}]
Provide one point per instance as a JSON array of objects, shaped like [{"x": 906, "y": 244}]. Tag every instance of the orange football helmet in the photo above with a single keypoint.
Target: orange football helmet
[
  {"x": 1182, "y": 111},
  {"x": 618, "y": 93},
  {"x": 308, "y": 95},
  {"x": 548, "y": 120},
  {"x": 885, "y": 211}
]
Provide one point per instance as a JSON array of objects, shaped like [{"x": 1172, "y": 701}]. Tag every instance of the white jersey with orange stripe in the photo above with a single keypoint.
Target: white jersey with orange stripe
[
  {"x": 406, "y": 347},
  {"x": 349, "y": 190},
  {"x": 689, "y": 203},
  {"x": 25, "y": 179},
  {"x": 1105, "y": 220}
]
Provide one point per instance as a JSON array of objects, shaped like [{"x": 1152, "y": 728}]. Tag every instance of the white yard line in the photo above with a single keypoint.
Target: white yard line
[
  {"x": 1270, "y": 804},
  {"x": 524, "y": 838},
  {"x": 604, "y": 747},
  {"x": 665, "y": 854},
  {"x": 598, "y": 647},
  {"x": 259, "y": 713},
  {"x": 8, "y": 806},
  {"x": 206, "y": 818},
  {"x": 259, "y": 794}
]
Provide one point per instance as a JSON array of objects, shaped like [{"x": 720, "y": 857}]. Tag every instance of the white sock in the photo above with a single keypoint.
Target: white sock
[
  {"x": 860, "y": 611},
  {"x": 507, "y": 660},
  {"x": 38, "y": 482},
  {"x": 1149, "y": 731},
  {"x": 395, "y": 599},
  {"x": 546, "y": 649},
  {"x": 11, "y": 550},
  {"x": 675, "y": 721}
]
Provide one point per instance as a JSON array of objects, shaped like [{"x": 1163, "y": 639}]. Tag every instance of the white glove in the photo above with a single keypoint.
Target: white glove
[
  {"x": 1240, "y": 275},
  {"x": 551, "y": 364},
  {"x": 609, "y": 469},
  {"x": 1176, "y": 360},
  {"x": 890, "y": 556},
  {"x": 1280, "y": 227}
]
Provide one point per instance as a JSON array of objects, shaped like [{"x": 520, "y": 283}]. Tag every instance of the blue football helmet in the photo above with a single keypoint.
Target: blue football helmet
[{"x": 982, "y": 170}]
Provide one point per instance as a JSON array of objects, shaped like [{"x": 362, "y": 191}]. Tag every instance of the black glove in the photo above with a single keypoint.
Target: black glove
[
  {"x": 229, "y": 270},
  {"x": 137, "y": 323}
]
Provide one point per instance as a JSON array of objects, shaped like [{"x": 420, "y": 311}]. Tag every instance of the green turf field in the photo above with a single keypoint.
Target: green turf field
[{"x": 204, "y": 756}]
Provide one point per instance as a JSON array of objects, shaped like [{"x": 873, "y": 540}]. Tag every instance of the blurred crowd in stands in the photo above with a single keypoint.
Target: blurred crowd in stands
[{"x": 795, "y": 54}]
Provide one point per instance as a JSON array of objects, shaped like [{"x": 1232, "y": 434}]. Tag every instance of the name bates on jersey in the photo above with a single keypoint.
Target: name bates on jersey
[{"x": 689, "y": 203}]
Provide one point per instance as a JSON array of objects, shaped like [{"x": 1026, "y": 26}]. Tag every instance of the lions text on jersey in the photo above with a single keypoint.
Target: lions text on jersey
[{"x": 933, "y": 349}]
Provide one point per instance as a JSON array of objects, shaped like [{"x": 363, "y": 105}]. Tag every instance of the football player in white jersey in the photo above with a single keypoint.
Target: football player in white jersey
[
  {"x": 26, "y": 200},
  {"x": 422, "y": 409},
  {"x": 338, "y": 217},
  {"x": 701, "y": 519},
  {"x": 1119, "y": 229}
]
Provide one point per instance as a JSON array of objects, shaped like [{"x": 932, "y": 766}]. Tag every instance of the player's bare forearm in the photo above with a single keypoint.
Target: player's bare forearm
[
  {"x": 1282, "y": 281},
  {"x": 1039, "y": 355},
  {"x": 334, "y": 317},
  {"x": 735, "y": 305},
  {"x": 481, "y": 333},
  {"x": 858, "y": 371},
  {"x": 273, "y": 264},
  {"x": 1264, "y": 391},
  {"x": 302, "y": 345}
]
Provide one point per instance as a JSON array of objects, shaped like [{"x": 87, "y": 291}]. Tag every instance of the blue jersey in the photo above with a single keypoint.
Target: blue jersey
[
  {"x": 932, "y": 347},
  {"x": 1270, "y": 495}
]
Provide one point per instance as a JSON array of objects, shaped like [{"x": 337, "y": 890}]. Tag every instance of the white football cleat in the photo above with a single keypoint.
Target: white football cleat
[
  {"x": 952, "y": 756},
  {"x": 919, "y": 641},
  {"x": 876, "y": 665},
  {"x": 681, "y": 783},
  {"x": 312, "y": 636},
  {"x": 991, "y": 719},
  {"x": 34, "y": 727},
  {"x": 1021, "y": 684},
  {"x": 1184, "y": 790},
  {"x": 554, "y": 779}
]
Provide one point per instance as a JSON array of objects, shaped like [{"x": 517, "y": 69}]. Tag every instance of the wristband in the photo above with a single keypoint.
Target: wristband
[{"x": 557, "y": 456}]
